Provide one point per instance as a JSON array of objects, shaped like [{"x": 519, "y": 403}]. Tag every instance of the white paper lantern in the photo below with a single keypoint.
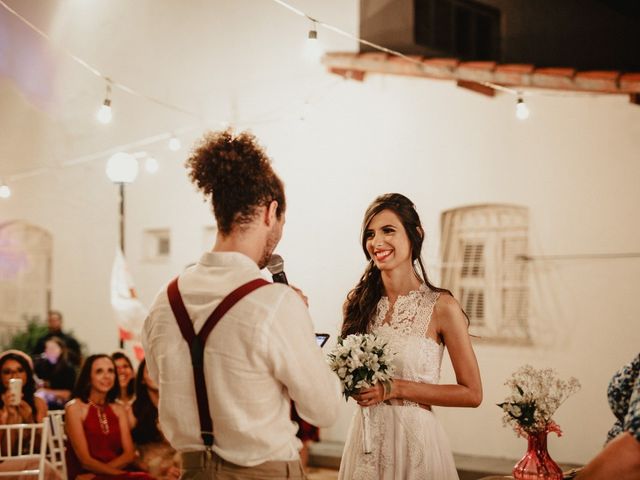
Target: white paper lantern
[{"x": 122, "y": 168}]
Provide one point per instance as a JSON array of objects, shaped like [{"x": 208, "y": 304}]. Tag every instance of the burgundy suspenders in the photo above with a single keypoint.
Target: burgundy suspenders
[{"x": 197, "y": 341}]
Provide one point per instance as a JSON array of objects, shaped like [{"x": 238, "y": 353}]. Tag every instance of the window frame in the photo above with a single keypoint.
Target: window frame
[{"x": 505, "y": 316}]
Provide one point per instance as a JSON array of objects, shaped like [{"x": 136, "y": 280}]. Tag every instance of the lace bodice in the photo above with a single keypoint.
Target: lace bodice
[{"x": 418, "y": 357}]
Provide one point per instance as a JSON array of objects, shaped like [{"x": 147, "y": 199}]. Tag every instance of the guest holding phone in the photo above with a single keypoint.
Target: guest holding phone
[{"x": 19, "y": 405}]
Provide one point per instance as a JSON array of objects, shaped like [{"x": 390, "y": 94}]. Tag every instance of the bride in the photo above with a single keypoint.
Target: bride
[{"x": 398, "y": 303}]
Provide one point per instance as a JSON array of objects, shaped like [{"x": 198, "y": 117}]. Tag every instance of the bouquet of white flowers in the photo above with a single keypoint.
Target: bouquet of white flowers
[
  {"x": 361, "y": 361},
  {"x": 535, "y": 397}
]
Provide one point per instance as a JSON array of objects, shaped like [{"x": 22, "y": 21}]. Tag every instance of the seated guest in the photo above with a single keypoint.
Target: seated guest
[
  {"x": 156, "y": 456},
  {"x": 97, "y": 428},
  {"x": 620, "y": 457},
  {"x": 57, "y": 375},
  {"x": 126, "y": 382},
  {"x": 28, "y": 408},
  {"x": 54, "y": 323},
  {"x": 18, "y": 408}
]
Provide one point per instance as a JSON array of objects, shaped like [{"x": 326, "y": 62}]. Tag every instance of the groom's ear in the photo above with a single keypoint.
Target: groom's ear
[{"x": 271, "y": 213}]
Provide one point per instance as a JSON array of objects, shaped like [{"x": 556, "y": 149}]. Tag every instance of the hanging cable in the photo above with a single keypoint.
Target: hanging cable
[{"x": 93, "y": 70}]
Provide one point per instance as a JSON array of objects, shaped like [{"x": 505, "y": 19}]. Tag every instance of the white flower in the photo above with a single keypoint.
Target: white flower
[
  {"x": 365, "y": 357},
  {"x": 535, "y": 396}
]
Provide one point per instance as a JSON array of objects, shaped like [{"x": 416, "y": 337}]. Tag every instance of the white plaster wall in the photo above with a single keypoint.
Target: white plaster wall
[{"x": 574, "y": 163}]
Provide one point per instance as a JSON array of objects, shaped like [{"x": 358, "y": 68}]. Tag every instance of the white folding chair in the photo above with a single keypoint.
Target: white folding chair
[
  {"x": 24, "y": 452},
  {"x": 57, "y": 441}
]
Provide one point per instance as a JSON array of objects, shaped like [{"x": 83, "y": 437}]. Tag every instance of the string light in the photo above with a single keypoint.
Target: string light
[
  {"x": 90, "y": 68},
  {"x": 174, "y": 143},
  {"x": 313, "y": 49},
  {"x": 122, "y": 168},
  {"x": 151, "y": 165},
  {"x": 522, "y": 110},
  {"x": 5, "y": 191},
  {"x": 104, "y": 113}
]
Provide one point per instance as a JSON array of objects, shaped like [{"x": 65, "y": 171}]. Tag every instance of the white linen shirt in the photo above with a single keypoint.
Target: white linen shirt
[{"x": 261, "y": 354}]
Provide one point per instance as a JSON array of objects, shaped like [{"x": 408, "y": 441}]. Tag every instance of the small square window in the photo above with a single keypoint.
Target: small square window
[{"x": 157, "y": 244}]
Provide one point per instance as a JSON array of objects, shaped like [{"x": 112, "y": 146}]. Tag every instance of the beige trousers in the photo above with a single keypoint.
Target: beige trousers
[{"x": 207, "y": 465}]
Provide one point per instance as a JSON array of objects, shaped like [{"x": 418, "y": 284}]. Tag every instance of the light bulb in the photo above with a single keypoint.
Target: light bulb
[
  {"x": 522, "y": 111},
  {"x": 122, "y": 168},
  {"x": 104, "y": 113},
  {"x": 313, "y": 49},
  {"x": 174, "y": 143},
  {"x": 151, "y": 165},
  {"x": 5, "y": 191}
]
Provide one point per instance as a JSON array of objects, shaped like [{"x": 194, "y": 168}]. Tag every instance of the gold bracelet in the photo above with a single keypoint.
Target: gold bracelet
[{"x": 387, "y": 389}]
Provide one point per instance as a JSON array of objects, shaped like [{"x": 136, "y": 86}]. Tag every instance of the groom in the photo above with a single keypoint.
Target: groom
[{"x": 261, "y": 354}]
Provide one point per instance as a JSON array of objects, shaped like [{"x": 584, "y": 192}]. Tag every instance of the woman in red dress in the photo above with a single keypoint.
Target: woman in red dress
[{"x": 98, "y": 429}]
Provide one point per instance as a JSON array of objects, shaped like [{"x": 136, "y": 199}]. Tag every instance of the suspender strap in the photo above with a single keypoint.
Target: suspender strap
[{"x": 197, "y": 342}]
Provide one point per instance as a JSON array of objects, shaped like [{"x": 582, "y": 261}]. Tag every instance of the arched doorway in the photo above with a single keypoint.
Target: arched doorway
[{"x": 25, "y": 275}]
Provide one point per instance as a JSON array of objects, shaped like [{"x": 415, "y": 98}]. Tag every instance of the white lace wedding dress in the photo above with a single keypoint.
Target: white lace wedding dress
[{"x": 408, "y": 442}]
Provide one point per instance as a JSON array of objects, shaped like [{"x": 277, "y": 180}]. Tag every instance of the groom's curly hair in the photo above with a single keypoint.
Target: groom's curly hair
[{"x": 236, "y": 172}]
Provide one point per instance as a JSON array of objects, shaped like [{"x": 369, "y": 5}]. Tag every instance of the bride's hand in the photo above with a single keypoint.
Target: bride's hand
[{"x": 368, "y": 397}]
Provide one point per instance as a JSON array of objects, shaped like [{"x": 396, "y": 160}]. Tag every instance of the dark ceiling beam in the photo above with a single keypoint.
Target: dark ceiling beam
[{"x": 477, "y": 88}]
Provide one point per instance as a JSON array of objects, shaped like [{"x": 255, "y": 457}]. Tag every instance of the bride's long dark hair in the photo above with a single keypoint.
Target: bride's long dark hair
[{"x": 361, "y": 302}]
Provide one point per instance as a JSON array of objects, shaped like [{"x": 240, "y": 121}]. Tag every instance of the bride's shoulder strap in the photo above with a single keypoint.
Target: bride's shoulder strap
[{"x": 429, "y": 299}]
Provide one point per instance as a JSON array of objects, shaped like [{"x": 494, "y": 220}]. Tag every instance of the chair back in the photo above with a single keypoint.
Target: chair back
[
  {"x": 57, "y": 441},
  {"x": 24, "y": 451}
]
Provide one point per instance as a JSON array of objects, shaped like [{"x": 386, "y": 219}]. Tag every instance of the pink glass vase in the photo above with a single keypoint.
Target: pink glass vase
[{"x": 536, "y": 463}]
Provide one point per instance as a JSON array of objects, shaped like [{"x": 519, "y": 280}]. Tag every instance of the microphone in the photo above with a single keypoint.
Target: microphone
[{"x": 276, "y": 268}]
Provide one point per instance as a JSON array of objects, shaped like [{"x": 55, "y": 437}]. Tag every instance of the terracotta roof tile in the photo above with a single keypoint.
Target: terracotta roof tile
[
  {"x": 630, "y": 82},
  {"x": 443, "y": 62},
  {"x": 373, "y": 56},
  {"x": 561, "y": 78},
  {"x": 514, "y": 75},
  {"x": 439, "y": 67},
  {"x": 597, "y": 80},
  {"x": 402, "y": 66},
  {"x": 476, "y": 71}
]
